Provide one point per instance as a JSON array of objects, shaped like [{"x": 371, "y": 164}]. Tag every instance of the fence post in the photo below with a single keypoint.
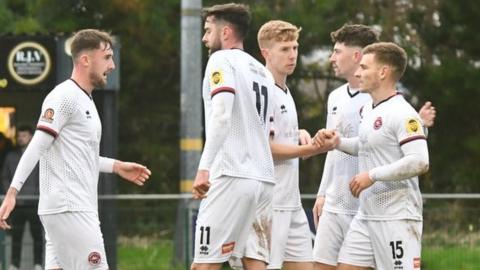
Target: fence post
[
  {"x": 2, "y": 250},
  {"x": 191, "y": 130}
]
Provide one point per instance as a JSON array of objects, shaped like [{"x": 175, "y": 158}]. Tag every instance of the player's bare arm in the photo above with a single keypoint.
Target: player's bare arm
[
  {"x": 288, "y": 151},
  {"x": 7, "y": 207},
  {"x": 317, "y": 209},
  {"x": 304, "y": 137},
  {"x": 132, "y": 172},
  {"x": 428, "y": 114}
]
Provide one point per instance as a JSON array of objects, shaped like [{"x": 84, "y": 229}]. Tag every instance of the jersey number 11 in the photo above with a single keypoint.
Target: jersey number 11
[{"x": 263, "y": 92}]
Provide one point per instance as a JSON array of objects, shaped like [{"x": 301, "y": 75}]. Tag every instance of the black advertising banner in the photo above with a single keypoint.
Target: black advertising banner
[{"x": 27, "y": 62}]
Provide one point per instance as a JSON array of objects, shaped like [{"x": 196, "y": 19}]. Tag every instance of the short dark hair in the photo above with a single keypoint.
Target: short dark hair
[
  {"x": 355, "y": 35},
  {"x": 89, "y": 39},
  {"x": 24, "y": 128},
  {"x": 389, "y": 53},
  {"x": 238, "y": 15}
]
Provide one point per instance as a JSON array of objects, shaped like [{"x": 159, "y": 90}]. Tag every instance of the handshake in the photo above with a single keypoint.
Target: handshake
[
  {"x": 326, "y": 138},
  {"x": 323, "y": 141}
]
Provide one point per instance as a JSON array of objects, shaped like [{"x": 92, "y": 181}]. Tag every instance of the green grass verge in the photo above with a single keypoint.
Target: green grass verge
[
  {"x": 155, "y": 254},
  {"x": 458, "y": 258},
  {"x": 145, "y": 254}
]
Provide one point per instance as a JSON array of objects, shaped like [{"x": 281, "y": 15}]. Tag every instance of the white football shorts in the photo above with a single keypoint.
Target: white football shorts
[
  {"x": 394, "y": 244},
  {"x": 291, "y": 238},
  {"x": 226, "y": 216},
  {"x": 74, "y": 241},
  {"x": 331, "y": 231}
]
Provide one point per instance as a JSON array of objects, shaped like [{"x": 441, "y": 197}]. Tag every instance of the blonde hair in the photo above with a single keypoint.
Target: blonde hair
[{"x": 277, "y": 30}]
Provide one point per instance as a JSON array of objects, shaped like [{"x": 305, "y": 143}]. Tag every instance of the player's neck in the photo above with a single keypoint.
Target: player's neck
[
  {"x": 82, "y": 80},
  {"x": 280, "y": 79},
  {"x": 382, "y": 93},
  {"x": 232, "y": 45},
  {"x": 353, "y": 82}
]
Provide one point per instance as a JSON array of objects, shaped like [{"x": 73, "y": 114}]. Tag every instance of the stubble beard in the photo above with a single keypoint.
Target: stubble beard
[
  {"x": 97, "y": 81},
  {"x": 216, "y": 46}
]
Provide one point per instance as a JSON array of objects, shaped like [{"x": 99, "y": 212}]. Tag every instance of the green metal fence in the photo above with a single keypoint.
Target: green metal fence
[{"x": 147, "y": 224}]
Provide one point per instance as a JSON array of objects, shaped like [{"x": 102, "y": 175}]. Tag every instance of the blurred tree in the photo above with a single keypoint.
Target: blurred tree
[
  {"x": 149, "y": 99},
  {"x": 439, "y": 37},
  {"x": 450, "y": 75}
]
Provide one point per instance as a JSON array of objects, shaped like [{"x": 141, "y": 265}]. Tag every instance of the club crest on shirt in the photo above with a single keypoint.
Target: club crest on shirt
[
  {"x": 47, "y": 116},
  {"x": 413, "y": 126},
  {"x": 217, "y": 78},
  {"x": 378, "y": 123},
  {"x": 94, "y": 258}
]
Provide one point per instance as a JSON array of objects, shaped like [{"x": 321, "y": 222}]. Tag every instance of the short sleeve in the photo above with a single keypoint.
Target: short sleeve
[
  {"x": 220, "y": 74},
  {"x": 56, "y": 111},
  {"x": 408, "y": 128}
]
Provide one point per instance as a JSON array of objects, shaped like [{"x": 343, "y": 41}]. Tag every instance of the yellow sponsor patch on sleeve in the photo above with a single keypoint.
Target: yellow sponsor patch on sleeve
[
  {"x": 413, "y": 126},
  {"x": 216, "y": 78},
  {"x": 48, "y": 115}
]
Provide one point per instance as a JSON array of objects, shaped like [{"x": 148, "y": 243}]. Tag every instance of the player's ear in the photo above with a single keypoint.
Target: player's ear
[
  {"x": 84, "y": 59},
  {"x": 227, "y": 31},
  {"x": 264, "y": 53},
  {"x": 357, "y": 56},
  {"x": 385, "y": 71}
]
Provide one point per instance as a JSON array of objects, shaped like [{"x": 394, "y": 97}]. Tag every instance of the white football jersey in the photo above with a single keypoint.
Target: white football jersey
[
  {"x": 343, "y": 115},
  {"x": 246, "y": 150},
  {"x": 69, "y": 168},
  {"x": 286, "y": 194},
  {"x": 384, "y": 128}
]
